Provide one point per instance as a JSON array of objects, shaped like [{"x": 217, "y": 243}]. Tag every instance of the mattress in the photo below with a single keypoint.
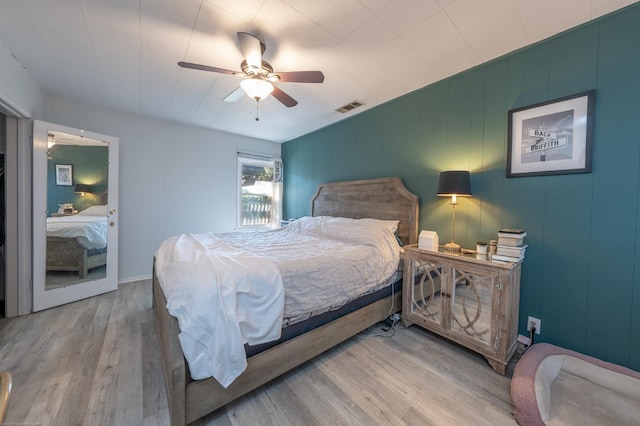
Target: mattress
[
  {"x": 319, "y": 320},
  {"x": 96, "y": 251}
]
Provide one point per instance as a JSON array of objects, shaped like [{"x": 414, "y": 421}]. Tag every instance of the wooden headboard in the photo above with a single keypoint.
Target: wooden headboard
[{"x": 385, "y": 198}]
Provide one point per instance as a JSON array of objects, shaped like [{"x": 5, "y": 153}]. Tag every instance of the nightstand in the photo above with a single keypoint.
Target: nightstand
[{"x": 469, "y": 301}]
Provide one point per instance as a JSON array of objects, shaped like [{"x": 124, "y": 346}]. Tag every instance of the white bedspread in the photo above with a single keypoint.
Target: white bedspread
[
  {"x": 323, "y": 263},
  {"x": 89, "y": 231},
  {"x": 223, "y": 298}
]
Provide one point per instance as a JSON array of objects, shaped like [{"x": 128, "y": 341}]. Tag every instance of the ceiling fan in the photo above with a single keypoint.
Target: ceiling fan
[{"x": 258, "y": 76}]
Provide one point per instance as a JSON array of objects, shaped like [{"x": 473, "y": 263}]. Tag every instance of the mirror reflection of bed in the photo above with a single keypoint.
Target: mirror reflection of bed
[
  {"x": 76, "y": 247},
  {"x": 76, "y": 243}
]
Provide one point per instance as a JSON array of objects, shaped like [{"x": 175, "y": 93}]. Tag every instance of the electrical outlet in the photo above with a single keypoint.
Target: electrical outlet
[
  {"x": 395, "y": 317},
  {"x": 534, "y": 322}
]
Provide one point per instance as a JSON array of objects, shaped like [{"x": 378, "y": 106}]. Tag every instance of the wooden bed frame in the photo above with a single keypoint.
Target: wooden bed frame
[
  {"x": 190, "y": 400},
  {"x": 65, "y": 254}
]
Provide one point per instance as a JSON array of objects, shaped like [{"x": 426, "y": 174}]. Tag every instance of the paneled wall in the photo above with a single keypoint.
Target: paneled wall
[{"x": 581, "y": 274}]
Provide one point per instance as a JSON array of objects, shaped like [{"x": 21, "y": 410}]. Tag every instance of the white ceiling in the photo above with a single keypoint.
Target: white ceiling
[{"x": 122, "y": 54}]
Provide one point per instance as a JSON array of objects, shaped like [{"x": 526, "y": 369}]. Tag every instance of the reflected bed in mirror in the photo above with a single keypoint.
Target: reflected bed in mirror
[{"x": 76, "y": 247}]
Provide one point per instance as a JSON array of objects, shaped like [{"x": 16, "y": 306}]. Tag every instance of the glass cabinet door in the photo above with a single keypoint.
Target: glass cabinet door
[
  {"x": 472, "y": 304},
  {"x": 427, "y": 292}
]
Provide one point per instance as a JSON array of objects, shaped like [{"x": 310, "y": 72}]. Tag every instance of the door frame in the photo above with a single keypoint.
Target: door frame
[{"x": 18, "y": 254}]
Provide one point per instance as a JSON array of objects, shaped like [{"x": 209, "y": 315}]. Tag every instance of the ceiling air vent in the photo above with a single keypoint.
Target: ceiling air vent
[{"x": 349, "y": 107}]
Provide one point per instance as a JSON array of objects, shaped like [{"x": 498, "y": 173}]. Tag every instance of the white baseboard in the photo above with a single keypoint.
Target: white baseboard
[{"x": 132, "y": 279}]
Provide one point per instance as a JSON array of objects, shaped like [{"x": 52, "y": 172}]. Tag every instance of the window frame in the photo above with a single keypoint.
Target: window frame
[{"x": 276, "y": 189}]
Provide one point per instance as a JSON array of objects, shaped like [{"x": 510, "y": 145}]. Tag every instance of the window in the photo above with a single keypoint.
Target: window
[{"x": 259, "y": 195}]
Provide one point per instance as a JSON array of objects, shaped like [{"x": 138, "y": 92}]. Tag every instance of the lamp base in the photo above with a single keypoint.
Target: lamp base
[{"x": 452, "y": 248}]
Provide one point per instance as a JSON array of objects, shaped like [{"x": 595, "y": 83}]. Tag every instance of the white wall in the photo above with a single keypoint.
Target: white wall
[
  {"x": 20, "y": 94},
  {"x": 174, "y": 178}
]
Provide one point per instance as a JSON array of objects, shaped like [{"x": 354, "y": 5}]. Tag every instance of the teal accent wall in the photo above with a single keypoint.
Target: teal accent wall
[
  {"x": 581, "y": 274},
  {"x": 90, "y": 167}
]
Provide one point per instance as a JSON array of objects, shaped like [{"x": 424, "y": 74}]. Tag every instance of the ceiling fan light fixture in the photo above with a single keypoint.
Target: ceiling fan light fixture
[{"x": 256, "y": 88}]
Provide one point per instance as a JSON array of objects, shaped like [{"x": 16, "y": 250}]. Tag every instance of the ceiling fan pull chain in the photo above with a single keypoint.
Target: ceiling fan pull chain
[{"x": 257, "y": 111}]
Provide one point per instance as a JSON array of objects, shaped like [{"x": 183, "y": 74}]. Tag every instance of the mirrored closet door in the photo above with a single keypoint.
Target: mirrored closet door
[{"x": 75, "y": 214}]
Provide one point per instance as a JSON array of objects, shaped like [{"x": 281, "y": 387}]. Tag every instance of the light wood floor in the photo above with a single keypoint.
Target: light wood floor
[{"x": 95, "y": 362}]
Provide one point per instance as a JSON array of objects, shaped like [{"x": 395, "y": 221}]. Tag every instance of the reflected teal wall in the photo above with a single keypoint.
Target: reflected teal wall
[
  {"x": 90, "y": 166},
  {"x": 581, "y": 274}
]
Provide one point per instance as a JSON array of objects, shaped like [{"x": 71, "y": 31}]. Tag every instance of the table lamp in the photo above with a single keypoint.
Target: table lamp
[
  {"x": 82, "y": 188},
  {"x": 454, "y": 183}
]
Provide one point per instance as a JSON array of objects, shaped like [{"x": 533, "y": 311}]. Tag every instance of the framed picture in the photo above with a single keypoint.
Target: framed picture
[
  {"x": 64, "y": 174},
  {"x": 550, "y": 138}
]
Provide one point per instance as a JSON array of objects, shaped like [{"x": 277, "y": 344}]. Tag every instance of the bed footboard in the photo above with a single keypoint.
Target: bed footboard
[
  {"x": 190, "y": 400},
  {"x": 205, "y": 396},
  {"x": 173, "y": 362},
  {"x": 65, "y": 254}
]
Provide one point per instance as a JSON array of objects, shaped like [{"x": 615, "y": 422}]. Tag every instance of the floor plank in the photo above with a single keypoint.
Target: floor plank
[{"x": 96, "y": 362}]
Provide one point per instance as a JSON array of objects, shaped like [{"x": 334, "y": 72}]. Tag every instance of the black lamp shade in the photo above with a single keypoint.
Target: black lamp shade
[
  {"x": 81, "y": 187},
  {"x": 456, "y": 182}
]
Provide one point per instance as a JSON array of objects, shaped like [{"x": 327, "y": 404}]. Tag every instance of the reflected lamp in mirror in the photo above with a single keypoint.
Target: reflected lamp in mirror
[
  {"x": 454, "y": 183},
  {"x": 82, "y": 188}
]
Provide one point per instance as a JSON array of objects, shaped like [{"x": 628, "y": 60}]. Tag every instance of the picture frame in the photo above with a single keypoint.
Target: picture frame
[
  {"x": 64, "y": 175},
  {"x": 552, "y": 137}
]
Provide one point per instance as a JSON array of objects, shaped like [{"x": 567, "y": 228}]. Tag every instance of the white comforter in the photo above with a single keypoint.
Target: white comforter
[
  {"x": 89, "y": 231},
  {"x": 322, "y": 262},
  {"x": 223, "y": 298},
  {"x": 325, "y": 261}
]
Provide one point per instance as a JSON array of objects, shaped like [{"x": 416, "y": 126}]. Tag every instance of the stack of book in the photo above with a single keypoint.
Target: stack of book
[{"x": 511, "y": 246}]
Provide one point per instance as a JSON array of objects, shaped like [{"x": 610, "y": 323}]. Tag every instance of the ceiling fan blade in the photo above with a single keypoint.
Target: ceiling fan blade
[
  {"x": 287, "y": 100},
  {"x": 235, "y": 95},
  {"x": 251, "y": 48},
  {"x": 301, "y": 76},
  {"x": 205, "y": 68}
]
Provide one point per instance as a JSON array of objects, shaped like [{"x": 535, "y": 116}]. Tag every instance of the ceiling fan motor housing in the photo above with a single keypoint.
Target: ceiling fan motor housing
[{"x": 264, "y": 72}]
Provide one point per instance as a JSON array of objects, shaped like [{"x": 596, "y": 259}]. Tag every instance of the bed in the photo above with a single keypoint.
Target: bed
[
  {"x": 77, "y": 243},
  {"x": 189, "y": 400}
]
